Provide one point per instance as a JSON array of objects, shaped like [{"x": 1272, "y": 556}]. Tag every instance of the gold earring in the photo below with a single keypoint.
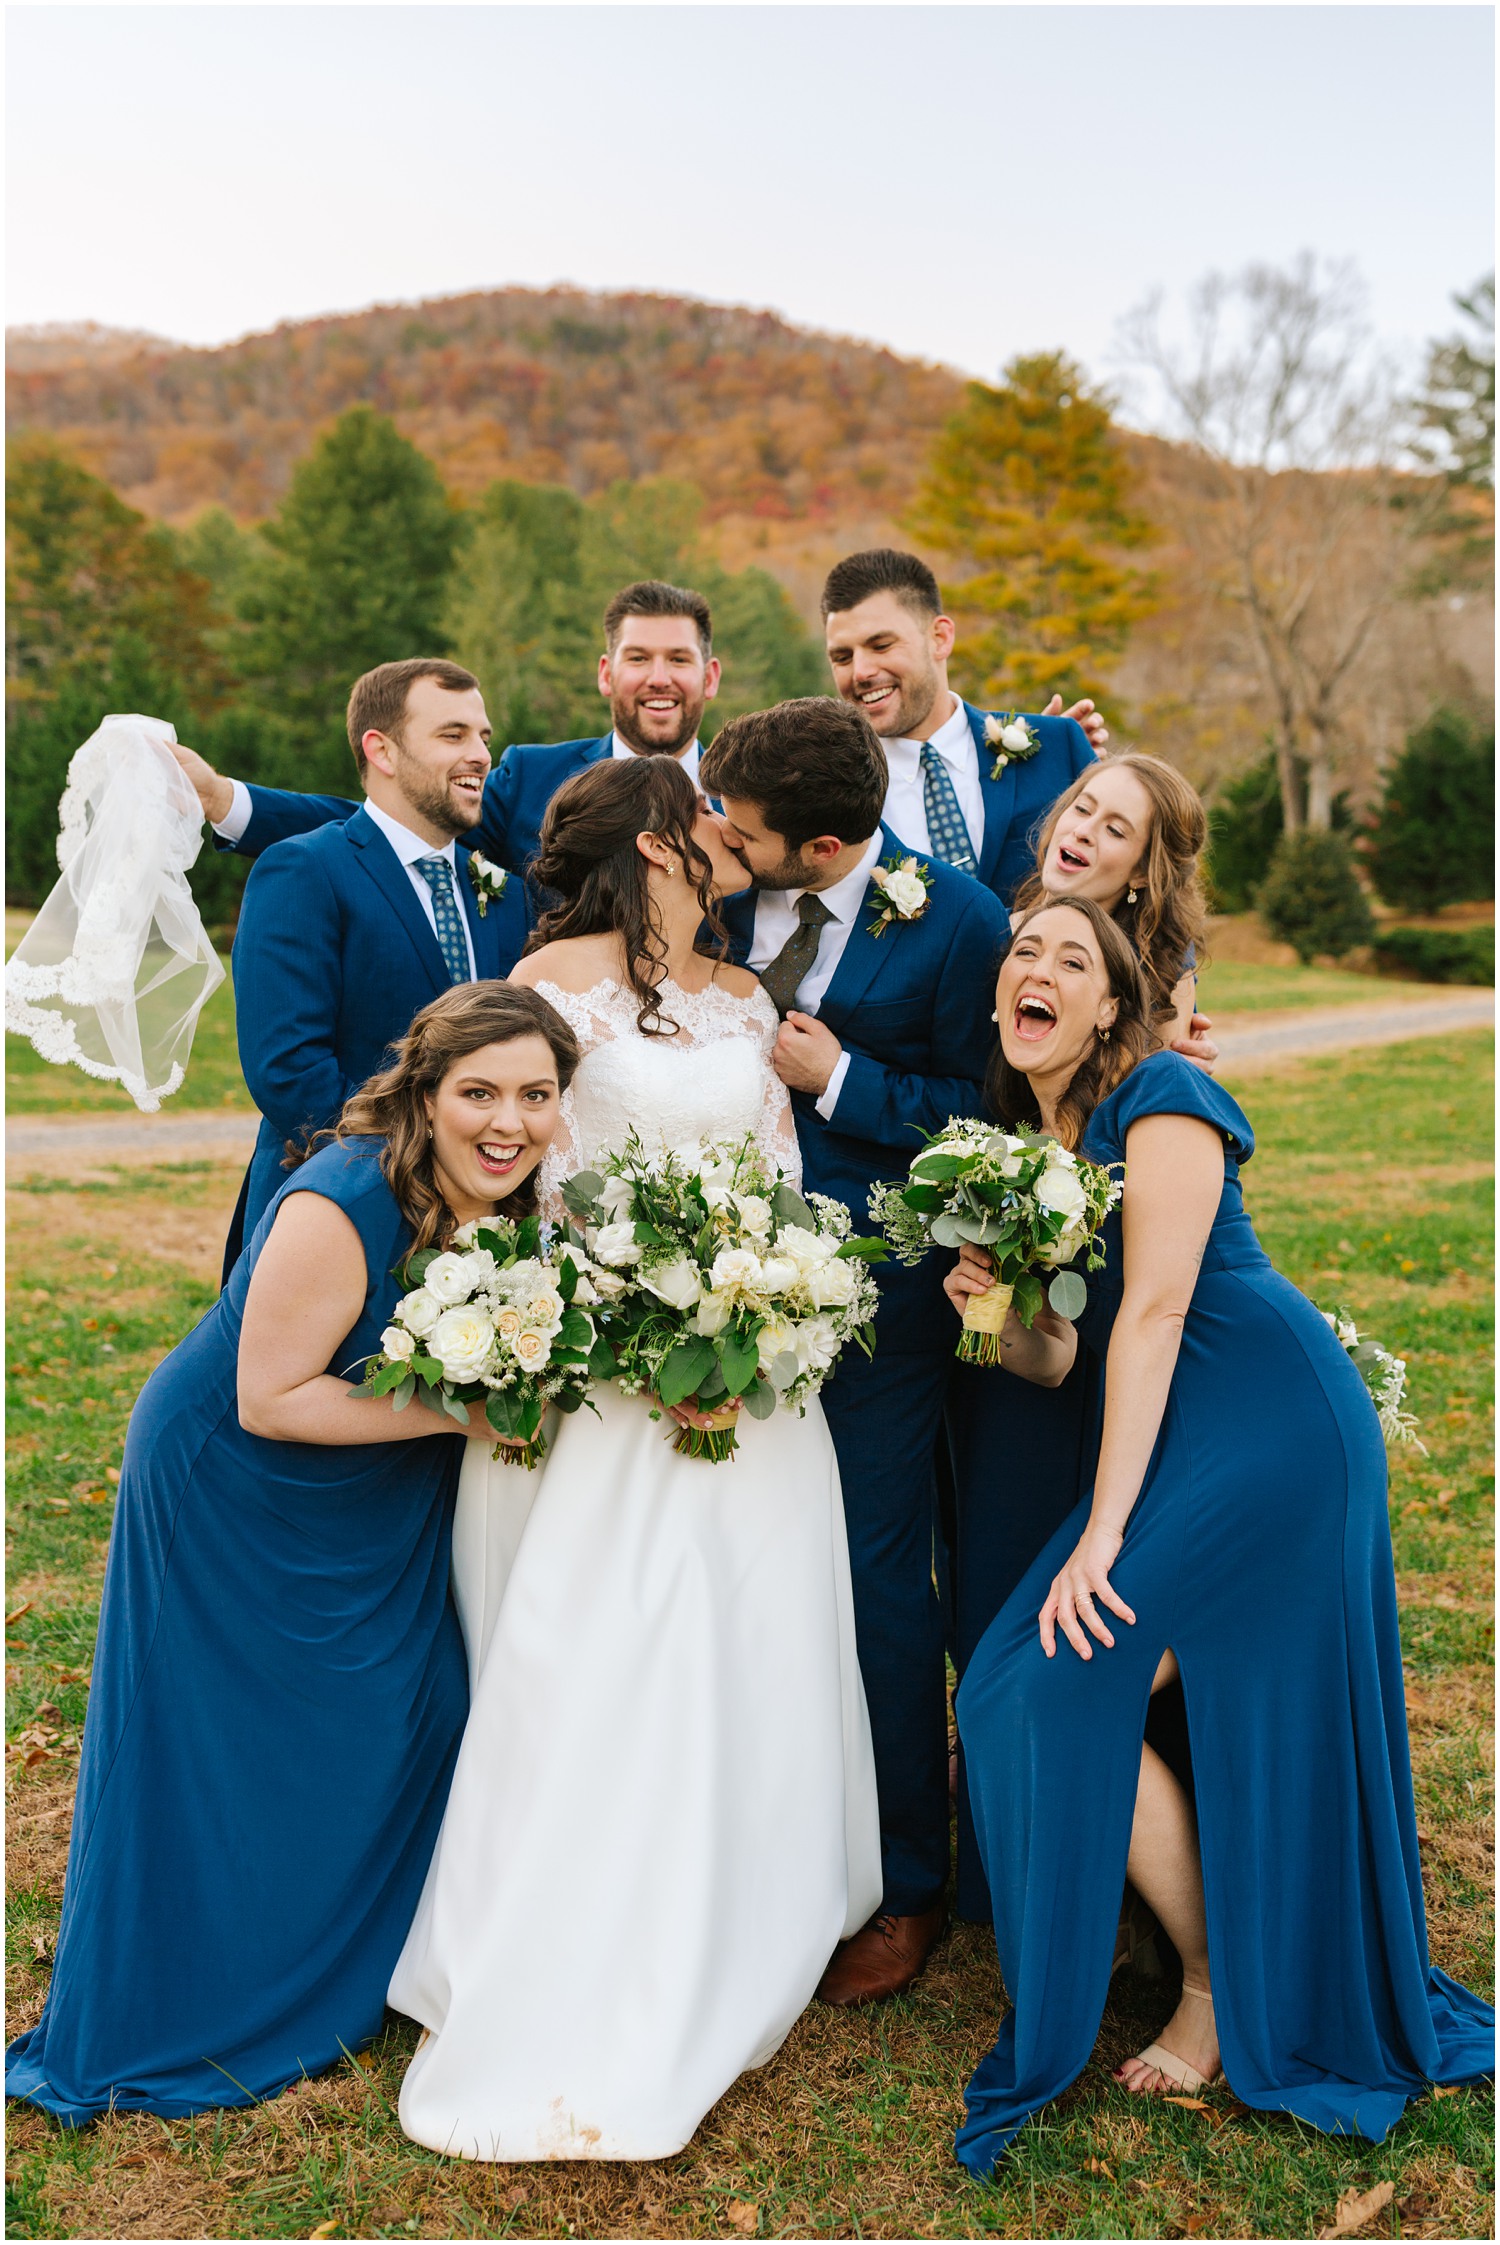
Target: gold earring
[
  {"x": 1104, "y": 1036},
  {"x": 1131, "y": 898}
]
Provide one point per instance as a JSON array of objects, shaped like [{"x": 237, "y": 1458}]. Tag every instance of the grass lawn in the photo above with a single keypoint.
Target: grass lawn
[
  {"x": 1372, "y": 1189},
  {"x": 1233, "y": 986}
]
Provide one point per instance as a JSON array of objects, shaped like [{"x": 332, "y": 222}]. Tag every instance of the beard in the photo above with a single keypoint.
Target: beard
[
  {"x": 431, "y": 794},
  {"x": 623, "y": 717},
  {"x": 912, "y": 706},
  {"x": 791, "y": 873}
]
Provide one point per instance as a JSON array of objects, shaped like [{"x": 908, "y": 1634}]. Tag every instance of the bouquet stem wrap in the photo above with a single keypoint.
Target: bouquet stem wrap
[
  {"x": 984, "y": 1321},
  {"x": 717, "y": 1441},
  {"x": 528, "y": 1454}
]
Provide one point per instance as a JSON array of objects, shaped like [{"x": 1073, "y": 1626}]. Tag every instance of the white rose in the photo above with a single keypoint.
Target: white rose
[
  {"x": 481, "y": 1267},
  {"x": 508, "y": 1323},
  {"x": 544, "y": 1306},
  {"x": 737, "y": 1270},
  {"x": 531, "y": 1348},
  {"x": 905, "y": 892},
  {"x": 779, "y": 1274},
  {"x": 616, "y": 1198},
  {"x": 806, "y": 1249},
  {"x": 754, "y": 1213},
  {"x": 586, "y": 1294},
  {"x": 463, "y": 1341},
  {"x": 398, "y": 1344},
  {"x": 830, "y": 1285},
  {"x": 418, "y": 1312},
  {"x": 777, "y": 1337},
  {"x": 816, "y": 1343},
  {"x": 712, "y": 1315},
  {"x": 677, "y": 1283},
  {"x": 608, "y": 1285},
  {"x": 466, "y": 1234},
  {"x": 1016, "y": 736},
  {"x": 446, "y": 1279},
  {"x": 615, "y": 1243},
  {"x": 1060, "y": 1190},
  {"x": 517, "y": 1279}
]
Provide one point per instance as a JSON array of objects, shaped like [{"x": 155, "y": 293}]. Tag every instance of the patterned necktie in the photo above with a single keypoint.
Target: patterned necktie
[
  {"x": 947, "y": 835},
  {"x": 779, "y": 977},
  {"x": 438, "y": 875}
]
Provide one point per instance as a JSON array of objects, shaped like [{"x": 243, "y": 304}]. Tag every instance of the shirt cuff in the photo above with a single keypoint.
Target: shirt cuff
[
  {"x": 231, "y": 827},
  {"x": 835, "y": 1085}
]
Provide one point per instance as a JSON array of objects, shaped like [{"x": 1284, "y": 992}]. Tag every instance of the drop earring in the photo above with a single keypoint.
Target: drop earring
[
  {"x": 1104, "y": 1036},
  {"x": 1130, "y": 899}
]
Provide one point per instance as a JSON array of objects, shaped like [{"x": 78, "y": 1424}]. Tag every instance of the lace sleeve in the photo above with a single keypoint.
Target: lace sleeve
[
  {"x": 562, "y": 1157},
  {"x": 776, "y": 1132}
]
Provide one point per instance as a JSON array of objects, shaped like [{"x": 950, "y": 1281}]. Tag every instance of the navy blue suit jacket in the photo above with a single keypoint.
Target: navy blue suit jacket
[
  {"x": 912, "y": 1009},
  {"x": 1016, "y": 804},
  {"x": 332, "y": 957}
]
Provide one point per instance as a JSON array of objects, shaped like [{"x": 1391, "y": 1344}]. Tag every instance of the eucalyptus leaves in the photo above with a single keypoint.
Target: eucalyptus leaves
[{"x": 1019, "y": 1194}]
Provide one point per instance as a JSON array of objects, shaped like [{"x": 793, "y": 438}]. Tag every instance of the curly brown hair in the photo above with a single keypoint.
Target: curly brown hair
[
  {"x": 1008, "y": 1092},
  {"x": 589, "y": 860},
  {"x": 393, "y": 1104},
  {"x": 1170, "y": 914}
]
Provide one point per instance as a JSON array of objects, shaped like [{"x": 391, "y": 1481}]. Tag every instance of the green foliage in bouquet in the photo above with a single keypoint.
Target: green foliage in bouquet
[
  {"x": 1019, "y": 1194},
  {"x": 1383, "y": 1374},
  {"x": 719, "y": 1283}
]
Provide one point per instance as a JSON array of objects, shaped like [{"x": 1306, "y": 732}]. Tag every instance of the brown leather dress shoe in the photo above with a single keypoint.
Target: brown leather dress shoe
[{"x": 882, "y": 1958}]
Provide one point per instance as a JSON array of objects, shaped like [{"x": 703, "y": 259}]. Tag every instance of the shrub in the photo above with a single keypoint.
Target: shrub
[
  {"x": 1311, "y": 897},
  {"x": 1244, "y": 827},
  {"x": 1432, "y": 841},
  {"x": 1440, "y": 954}
]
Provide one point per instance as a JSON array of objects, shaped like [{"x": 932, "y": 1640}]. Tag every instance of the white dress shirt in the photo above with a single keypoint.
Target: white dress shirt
[
  {"x": 776, "y": 922},
  {"x": 905, "y": 804},
  {"x": 687, "y": 758}
]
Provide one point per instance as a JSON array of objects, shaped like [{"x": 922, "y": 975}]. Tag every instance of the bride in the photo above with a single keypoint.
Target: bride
[{"x": 663, "y": 1818}]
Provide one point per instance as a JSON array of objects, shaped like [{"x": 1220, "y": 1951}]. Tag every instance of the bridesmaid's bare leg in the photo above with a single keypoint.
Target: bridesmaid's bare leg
[{"x": 1165, "y": 1868}]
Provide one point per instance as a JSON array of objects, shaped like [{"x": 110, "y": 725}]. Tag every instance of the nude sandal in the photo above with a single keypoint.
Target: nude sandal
[{"x": 1173, "y": 2069}]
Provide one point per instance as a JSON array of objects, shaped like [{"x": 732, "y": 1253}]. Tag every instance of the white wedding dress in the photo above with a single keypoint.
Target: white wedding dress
[{"x": 663, "y": 1816}]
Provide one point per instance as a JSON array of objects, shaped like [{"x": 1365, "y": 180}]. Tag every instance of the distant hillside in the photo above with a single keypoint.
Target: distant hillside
[{"x": 774, "y": 424}]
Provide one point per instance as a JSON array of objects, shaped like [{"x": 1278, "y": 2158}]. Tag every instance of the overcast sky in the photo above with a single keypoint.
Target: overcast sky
[{"x": 960, "y": 182}]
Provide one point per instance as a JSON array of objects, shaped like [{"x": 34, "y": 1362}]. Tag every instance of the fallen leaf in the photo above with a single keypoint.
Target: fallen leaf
[
  {"x": 18, "y": 1613},
  {"x": 326, "y": 2229},
  {"x": 1446, "y": 2089},
  {"x": 37, "y": 1754},
  {"x": 1097, "y": 2167},
  {"x": 112, "y": 1473},
  {"x": 745, "y": 2214},
  {"x": 1417, "y": 2208},
  {"x": 48, "y": 1712},
  {"x": 131, "y": 2159},
  {"x": 1195, "y": 2225},
  {"x": 1188, "y": 2104},
  {"x": 1356, "y": 2207}
]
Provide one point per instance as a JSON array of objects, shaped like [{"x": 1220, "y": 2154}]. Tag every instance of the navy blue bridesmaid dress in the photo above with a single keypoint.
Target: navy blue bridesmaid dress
[
  {"x": 278, "y": 1694},
  {"x": 1259, "y": 1551}
]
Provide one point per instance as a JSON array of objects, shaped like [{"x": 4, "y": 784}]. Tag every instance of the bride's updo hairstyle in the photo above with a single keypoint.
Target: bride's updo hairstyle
[
  {"x": 393, "y": 1104},
  {"x": 1008, "y": 1092},
  {"x": 1170, "y": 913},
  {"x": 589, "y": 860}
]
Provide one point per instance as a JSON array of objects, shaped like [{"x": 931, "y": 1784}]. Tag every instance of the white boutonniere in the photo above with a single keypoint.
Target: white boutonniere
[
  {"x": 489, "y": 882},
  {"x": 903, "y": 884},
  {"x": 1013, "y": 737}
]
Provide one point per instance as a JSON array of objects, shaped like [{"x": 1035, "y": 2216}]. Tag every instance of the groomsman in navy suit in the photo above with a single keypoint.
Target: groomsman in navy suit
[
  {"x": 347, "y": 931},
  {"x": 658, "y": 672},
  {"x": 884, "y": 1036},
  {"x": 953, "y": 790}
]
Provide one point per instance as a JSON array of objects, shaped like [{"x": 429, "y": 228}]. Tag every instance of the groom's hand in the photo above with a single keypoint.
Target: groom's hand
[
  {"x": 806, "y": 1053},
  {"x": 214, "y": 793},
  {"x": 1087, "y": 716}
]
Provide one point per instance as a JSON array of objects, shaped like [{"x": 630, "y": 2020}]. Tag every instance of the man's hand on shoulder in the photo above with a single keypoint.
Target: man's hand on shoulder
[
  {"x": 1087, "y": 716},
  {"x": 806, "y": 1053},
  {"x": 213, "y": 791},
  {"x": 1197, "y": 1044}
]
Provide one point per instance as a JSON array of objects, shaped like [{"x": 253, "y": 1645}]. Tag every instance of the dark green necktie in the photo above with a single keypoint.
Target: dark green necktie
[{"x": 780, "y": 977}]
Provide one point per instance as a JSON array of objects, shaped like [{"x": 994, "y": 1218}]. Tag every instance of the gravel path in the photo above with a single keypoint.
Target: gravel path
[{"x": 47, "y": 1142}]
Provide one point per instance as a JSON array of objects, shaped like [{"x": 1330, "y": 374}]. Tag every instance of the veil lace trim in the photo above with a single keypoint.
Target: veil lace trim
[{"x": 113, "y": 972}]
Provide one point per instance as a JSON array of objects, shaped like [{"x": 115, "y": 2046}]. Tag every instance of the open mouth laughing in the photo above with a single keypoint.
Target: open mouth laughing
[{"x": 1035, "y": 1018}]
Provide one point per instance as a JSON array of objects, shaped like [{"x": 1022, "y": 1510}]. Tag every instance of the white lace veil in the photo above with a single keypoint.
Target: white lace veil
[{"x": 115, "y": 968}]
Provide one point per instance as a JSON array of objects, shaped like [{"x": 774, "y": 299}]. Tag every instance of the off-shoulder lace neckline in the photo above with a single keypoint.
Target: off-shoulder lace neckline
[{"x": 610, "y": 984}]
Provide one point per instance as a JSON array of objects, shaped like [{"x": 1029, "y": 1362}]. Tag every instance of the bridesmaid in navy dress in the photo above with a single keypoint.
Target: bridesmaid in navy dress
[
  {"x": 1129, "y": 833},
  {"x": 280, "y": 1684},
  {"x": 1236, "y": 1534}
]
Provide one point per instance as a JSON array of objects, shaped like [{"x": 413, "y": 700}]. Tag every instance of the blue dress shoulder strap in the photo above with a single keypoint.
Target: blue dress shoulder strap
[{"x": 1166, "y": 1084}]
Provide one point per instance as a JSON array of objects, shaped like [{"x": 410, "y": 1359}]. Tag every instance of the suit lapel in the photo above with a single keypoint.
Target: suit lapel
[
  {"x": 738, "y": 915},
  {"x": 377, "y": 859},
  {"x": 999, "y": 800},
  {"x": 484, "y": 930},
  {"x": 864, "y": 954}
]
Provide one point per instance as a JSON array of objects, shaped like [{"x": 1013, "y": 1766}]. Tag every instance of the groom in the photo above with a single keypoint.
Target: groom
[{"x": 886, "y": 1032}]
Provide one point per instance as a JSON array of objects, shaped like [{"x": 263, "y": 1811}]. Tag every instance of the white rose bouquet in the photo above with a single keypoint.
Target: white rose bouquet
[
  {"x": 493, "y": 1320},
  {"x": 1027, "y": 1199},
  {"x": 718, "y": 1281},
  {"x": 1383, "y": 1374}
]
